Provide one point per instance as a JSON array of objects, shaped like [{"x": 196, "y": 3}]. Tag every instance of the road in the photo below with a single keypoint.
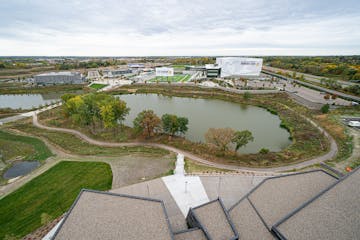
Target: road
[
  {"x": 322, "y": 89},
  {"x": 308, "y": 77}
]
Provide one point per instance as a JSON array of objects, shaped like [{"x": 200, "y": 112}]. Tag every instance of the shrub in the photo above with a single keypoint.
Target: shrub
[
  {"x": 247, "y": 95},
  {"x": 264, "y": 151},
  {"x": 325, "y": 108}
]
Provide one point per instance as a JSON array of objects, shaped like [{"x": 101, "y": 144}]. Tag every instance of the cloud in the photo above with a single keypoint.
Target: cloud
[{"x": 197, "y": 27}]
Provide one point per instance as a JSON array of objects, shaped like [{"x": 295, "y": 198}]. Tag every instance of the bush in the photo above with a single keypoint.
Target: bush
[
  {"x": 325, "y": 108},
  {"x": 264, "y": 151},
  {"x": 247, "y": 95}
]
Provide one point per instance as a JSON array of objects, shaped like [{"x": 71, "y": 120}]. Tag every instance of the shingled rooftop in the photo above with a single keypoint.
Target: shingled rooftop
[
  {"x": 333, "y": 214},
  {"x": 213, "y": 219},
  {"x": 277, "y": 196},
  {"x": 190, "y": 234},
  {"x": 99, "y": 215},
  {"x": 308, "y": 205}
]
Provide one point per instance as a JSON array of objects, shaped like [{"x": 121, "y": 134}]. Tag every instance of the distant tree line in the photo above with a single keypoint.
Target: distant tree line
[
  {"x": 341, "y": 67},
  {"x": 88, "y": 64},
  {"x": 193, "y": 61}
]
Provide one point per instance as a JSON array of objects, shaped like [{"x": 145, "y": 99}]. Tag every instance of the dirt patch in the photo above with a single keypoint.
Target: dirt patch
[{"x": 137, "y": 168}]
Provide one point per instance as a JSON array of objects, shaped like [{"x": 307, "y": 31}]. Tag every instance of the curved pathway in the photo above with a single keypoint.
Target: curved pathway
[{"x": 329, "y": 155}]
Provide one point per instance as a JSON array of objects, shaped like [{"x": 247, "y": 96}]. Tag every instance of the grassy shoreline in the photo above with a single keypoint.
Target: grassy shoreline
[{"x": 307, "y": 141}]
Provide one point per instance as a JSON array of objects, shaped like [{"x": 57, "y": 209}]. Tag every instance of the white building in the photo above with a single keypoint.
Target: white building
[{"x": 239, "y": 66}]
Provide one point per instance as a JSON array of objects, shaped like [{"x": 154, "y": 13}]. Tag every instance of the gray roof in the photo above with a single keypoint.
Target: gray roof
[
  {"x": 229, "y": 188},
  {"x": 248, "y": 223},
  {"x": 277, "y": 196},
  {"x": 214, "y": 220},
  {"x": 100, "y": 215},
  {"x": 157, "y": 189},
  {"x": 190, "y": 234},
  {"x": 57, "y": 74},
  {"x": 333, "y": 214}
]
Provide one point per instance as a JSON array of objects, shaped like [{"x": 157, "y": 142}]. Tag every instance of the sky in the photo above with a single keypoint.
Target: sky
[{"x": 179, "y": 28}]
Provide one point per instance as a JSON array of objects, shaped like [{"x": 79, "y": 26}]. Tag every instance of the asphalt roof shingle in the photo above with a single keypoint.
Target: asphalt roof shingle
[
  {"x": 214, "y": 221},
  {"x": 333, "y": 214},
  {"x": 191, "y": 234},
  {"x": 248, "y": 223},
  {"x": 100, "y": 215},
  {"x": 157, "y": 189},
  {"x": 275, "y": 197}
]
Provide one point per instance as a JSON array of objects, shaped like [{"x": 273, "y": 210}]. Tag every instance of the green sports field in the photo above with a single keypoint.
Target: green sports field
[
  {"x": 98, "y": 86},
  {"x": 175, "y": 78}
]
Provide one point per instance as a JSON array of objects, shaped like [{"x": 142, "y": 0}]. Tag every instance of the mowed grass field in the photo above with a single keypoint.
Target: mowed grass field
[
  {"x": 12, "y": 145},
  {"x": 49, "y": 195},
  {"x": 97, "y": 86},
  {"x": 175, "y": 78}
]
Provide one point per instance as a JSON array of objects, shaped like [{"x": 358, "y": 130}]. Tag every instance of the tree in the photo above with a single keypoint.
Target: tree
[
  {"x": 146, "y": 123},
  {"x": 220, "y": 137},
  {"x": 325, "y": 108},
  {"x": 241, "y": 138},
  {"x": 183, "y": 122},
  {"x": 94, "y": 109},
  {"x": 173, "y": 124},
  {"x": 247, "y": 95},
  {"x": 170, "y": 124}
]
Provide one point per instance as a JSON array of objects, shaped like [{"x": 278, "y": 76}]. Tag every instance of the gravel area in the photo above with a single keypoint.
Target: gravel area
[
  {"x": 104, "y": 216},
  {"x": 135, "y": 168},
  {"x": 276, "y": 197},
  {"x": 332, "y": 215}
]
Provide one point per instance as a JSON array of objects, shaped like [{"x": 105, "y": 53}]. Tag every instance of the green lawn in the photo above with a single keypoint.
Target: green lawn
[
  {"x": 51, "y": 194},
  {"x": 175, "y": 78},
  {"x": 12, "y": 145},
  {"x": 97, "y": 86}
]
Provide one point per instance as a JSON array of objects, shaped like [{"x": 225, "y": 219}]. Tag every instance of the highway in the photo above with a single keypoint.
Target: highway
[
  {"x": 308, "y": 77},
  {"x": 313, "y": 86}
]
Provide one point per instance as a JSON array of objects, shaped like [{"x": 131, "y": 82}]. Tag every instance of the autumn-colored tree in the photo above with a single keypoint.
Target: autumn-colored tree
[
  {"x": 95, "y": 109},
  {"x": 220, "y": 137},
  {"x": 146, "y": 123}
]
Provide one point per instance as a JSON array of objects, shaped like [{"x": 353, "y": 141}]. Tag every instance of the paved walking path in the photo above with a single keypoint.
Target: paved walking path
[
  {"x": 329, "y": 155},
  {"x": 187, "y": 191}
]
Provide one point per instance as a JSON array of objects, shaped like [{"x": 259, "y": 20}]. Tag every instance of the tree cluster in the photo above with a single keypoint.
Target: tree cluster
[
  {"x": 94, "y": 109},
  {"x": 223, "y": 137},
  {"x": 345, "y": 67},
  {"x": 193, "y": 60},
  {"x": 148, "y": 124}
]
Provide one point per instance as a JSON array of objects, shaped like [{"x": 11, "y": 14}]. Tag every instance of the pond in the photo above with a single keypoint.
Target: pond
[
  {"x": 28, "y": 101},
  {"x": 211, "y": 113},
  {"x": 20, "y": 169}
]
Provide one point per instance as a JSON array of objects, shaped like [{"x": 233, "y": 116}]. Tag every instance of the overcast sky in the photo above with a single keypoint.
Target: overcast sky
[{"x": 172, "y": 27}]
